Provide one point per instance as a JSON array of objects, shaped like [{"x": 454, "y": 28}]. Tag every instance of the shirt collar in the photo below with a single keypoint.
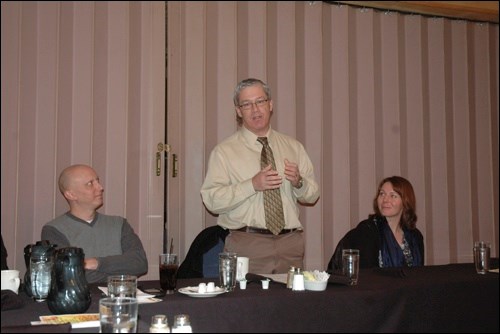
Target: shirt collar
[{"x": 251, "y": 138}]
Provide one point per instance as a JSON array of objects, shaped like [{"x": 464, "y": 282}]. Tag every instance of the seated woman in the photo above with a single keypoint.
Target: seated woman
[{"x": 389, "y": 237}]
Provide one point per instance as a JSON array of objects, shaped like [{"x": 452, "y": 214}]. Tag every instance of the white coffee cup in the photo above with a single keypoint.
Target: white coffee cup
[
  {"x": 10, "y": 280},
  {"x": 241, "y": 267}
]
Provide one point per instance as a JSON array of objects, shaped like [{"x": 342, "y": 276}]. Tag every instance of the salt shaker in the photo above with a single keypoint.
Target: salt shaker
[
  {"x": 159, "y": 324},
  {"x": 181, "y": 324},
  {"x": 289, "y": 278},
  {"x": 298, "y": 281}
]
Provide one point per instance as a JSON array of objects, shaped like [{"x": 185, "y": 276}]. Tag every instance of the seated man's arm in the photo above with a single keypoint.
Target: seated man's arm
[
  {"x": 132, "y": 261},
  {"x": 55, "y": 237}
]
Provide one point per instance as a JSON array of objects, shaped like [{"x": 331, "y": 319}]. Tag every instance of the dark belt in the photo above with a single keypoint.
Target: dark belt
[{"x": 249, "y": 229}]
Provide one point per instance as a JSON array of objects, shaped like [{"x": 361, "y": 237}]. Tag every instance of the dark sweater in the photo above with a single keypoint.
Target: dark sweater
[{"x": 110, "y": 239}]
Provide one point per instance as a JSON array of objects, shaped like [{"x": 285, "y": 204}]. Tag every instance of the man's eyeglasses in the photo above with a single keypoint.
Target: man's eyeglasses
[{"x": 248, "y": 105}]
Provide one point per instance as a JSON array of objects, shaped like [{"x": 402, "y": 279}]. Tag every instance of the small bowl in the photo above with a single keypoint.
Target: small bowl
[{"x": 315, "y": 285}]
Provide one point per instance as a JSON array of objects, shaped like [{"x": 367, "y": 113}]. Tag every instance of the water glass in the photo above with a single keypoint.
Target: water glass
[
  {"x": 482, "y": 256},
  {"x": 350, "y": 264},
  {"x": 122, "y": 286},
  {"x": 227, "y": 270},
  {"x": 41, "y": 267},
  {"x": 118, "y": 315}
]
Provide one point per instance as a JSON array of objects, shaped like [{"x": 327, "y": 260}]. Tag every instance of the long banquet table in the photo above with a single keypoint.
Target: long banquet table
[{"x": 444, "y": 298}]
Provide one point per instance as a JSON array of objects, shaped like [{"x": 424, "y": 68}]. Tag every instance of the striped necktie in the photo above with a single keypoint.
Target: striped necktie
[{"x": 273, "y": 207}]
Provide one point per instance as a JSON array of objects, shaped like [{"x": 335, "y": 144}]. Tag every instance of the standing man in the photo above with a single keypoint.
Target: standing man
[
  {"x": 110, "y": 245},
  {"x": 254, "y": 180}
]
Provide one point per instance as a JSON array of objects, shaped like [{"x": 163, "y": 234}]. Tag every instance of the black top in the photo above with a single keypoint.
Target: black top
[
  {"x": 367, "y": 238},
  {"x": 4, "y": 257}
]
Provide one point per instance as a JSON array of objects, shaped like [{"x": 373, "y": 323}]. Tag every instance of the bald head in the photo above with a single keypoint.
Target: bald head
[{"x": 69, "y": 174}]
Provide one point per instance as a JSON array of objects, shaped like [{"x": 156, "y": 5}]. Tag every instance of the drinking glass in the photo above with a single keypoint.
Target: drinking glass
[
  {"x": 41, "y": 276},
  {"x": 118, "y": 314},
  {"x": 482, "y": 256},
  {"x": 350, "y": 264},
  {"x": 169, "y": 264},
  {"x": 227, "y": 270},
  {"x": 122, "y": 286}
]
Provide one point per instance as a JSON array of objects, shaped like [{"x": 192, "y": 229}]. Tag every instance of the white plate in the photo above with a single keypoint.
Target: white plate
[{"x": 192, "y": 291}]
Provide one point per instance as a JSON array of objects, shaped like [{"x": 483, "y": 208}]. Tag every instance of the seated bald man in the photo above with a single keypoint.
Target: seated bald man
[{"x": 110, "y": 244}]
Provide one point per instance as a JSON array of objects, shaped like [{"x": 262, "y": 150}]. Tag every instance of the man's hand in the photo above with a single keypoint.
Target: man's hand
[
  {"x": 90, "y": 263},
  {"x": 292, "y": 173},
  {"x": 266, "y": 179}
]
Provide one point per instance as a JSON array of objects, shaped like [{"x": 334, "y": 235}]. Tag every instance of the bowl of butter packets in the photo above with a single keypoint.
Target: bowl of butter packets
[{"x": 316, "y": 280}]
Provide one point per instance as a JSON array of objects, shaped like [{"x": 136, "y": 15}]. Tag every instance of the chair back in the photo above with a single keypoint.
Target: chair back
[
  {"x": 202, "y": 257},
  {"x": 211, "y": 260}
]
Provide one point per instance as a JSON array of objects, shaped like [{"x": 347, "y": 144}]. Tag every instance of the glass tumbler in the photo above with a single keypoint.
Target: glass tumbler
[{"x": 41, "y": 267}]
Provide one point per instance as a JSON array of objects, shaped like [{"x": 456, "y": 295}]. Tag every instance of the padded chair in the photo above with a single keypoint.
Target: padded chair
[{"x": 202, "y": 259}]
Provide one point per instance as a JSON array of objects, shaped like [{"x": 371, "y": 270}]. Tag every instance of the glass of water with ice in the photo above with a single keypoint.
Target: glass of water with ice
[{"x": 41, "y": 276}]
